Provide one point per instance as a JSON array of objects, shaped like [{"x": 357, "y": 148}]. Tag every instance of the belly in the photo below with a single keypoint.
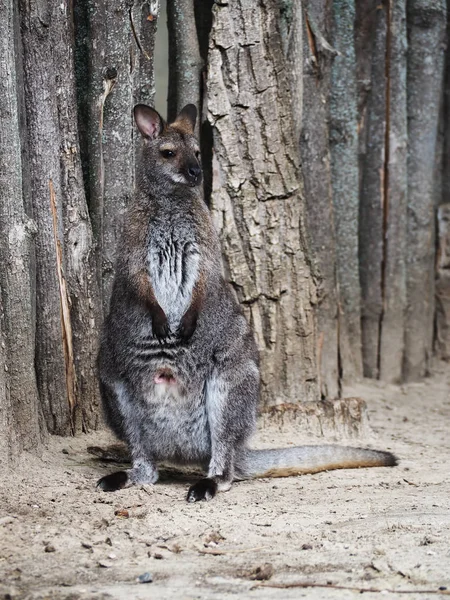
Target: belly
[{"x": 178, "y": 431}]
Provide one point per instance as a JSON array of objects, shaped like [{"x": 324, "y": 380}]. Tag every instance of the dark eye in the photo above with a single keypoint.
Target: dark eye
[
  {"x": 168, "y": 153},
  {"x": 197, "y": 155}
]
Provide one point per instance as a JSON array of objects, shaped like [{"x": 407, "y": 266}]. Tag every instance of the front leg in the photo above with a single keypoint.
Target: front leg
[
  {"x": 144, "y": 291},
  {"x": 188, "y": 321},
  {"x": 231, "y": 406}
]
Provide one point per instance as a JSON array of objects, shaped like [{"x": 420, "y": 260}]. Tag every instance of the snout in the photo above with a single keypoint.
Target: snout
[{"x": 194, "y": 174}]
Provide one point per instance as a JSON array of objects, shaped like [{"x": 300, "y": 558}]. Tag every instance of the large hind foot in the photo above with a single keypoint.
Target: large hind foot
[
  {"x": 205, "y": 489},
  {"x": 113, "y": 481},
  {"x": 141, "y": 473}
]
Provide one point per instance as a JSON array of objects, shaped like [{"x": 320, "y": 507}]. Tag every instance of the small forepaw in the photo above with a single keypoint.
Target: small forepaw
[
  {"x": 205, "y": 489},
  {"x": 160, "y": 326},
  {"x": 187, "y": 325},
  {"x": 113, "y": 481}
]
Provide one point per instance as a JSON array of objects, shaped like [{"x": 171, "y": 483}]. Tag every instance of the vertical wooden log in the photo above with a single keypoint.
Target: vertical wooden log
[
  {"x": 426, "y": 34},
  {"x": 185, "y": 62},
  {"x": 110, "y": 142},
  {"x": 372, "y": 199},
  {"x": 446, "y": 127},
  {"x": 79, "y": 267},
  {"x": 392, "y": 333},
  {"x": 55, "y": 391},
  {"x": 442, "y": 342},
  {"x": 257, "y": 200},
  {"x": 21, "y": 424},
  {"x": 345, "y": 178},
  {"x": 315, "y": 159},
  {"x": 144, "y": 18}
]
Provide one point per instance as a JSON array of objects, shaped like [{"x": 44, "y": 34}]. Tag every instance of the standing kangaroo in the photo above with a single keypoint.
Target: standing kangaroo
[{"x": 178, "y": 364}]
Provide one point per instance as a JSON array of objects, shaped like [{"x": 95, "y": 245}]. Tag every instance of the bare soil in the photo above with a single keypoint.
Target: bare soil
[{"x": 383, "y": 528}]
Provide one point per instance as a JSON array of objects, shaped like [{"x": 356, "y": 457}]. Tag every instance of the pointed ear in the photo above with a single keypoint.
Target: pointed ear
[
  {"x": 187, "y": 118},
  {"x": 149, "y": 122}
]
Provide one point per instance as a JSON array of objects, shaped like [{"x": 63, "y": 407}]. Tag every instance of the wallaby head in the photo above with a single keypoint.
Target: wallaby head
[{"x": 171, "y": 152}]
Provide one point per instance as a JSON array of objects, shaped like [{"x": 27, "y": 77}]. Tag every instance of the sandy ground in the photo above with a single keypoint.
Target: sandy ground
[{"x": 384, "y": 528}]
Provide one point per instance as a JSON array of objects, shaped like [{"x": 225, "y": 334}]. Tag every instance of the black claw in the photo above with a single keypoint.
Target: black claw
[
  {"x": 113, "y": 482},
  {"x": 205, "y": 489}
]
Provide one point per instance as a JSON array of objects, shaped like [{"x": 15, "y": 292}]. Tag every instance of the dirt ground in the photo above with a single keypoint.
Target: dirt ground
[{"x": 383, "y": 528}]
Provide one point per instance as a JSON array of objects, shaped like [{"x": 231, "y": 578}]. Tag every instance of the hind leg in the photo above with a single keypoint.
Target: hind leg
[
  {"x": 126, "y": 422},
  {"x": 231, "y": 399}
]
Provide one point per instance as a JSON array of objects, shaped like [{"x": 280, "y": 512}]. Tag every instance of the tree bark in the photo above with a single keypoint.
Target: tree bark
[
  {"x": 257, "y": 200},
  {"x": 79, "y": 271},
  {"x": 38, "y": 30},
  {"x": 442, "y": 342},
  {"x": 372, "y": 199},
  {"x": 315, "y": 159},
  {"x": 185, "y": 63},
  {"x": 345, "y": 177},
  {"x": 112, "y": 57},
  {"x": 426, "y": 32},
  {"x": 21, "y": 423},
  {"x": 392, "y": 333}
]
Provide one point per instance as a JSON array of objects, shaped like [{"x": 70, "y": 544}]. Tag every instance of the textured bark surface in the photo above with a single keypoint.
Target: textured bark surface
[
  {"x": 257, "y": 200},
  {"x": 372, "y": 199},
  {"x": 79, "y": 271},
  {"x": 291, "y": 30},
  {"x": 114, "y": 58},
  {"x": 426, "y": 31},
  {"x": 185, "y": 63},
  {"x": 342, "y": 418},
  {"x": 392, "y": 333},
  {"x": 315, "y": 158},
  {"x": 445, "y": 171},
  {"x": 442, "y": 342},
  {"x": 38, "y": 31},
  {"x": 20, "y": 422},
  {"x": 344, "y": 171}
]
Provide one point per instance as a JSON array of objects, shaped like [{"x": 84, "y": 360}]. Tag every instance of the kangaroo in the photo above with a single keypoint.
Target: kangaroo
[{"x": 178, "y": 363}]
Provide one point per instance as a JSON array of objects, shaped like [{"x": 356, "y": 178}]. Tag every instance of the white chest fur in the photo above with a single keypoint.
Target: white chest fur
[{"x": 173, "y": 267}]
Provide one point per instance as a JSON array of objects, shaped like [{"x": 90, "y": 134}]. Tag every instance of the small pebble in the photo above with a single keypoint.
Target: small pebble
[
  {"x": 50, "y": 548},
  {"x": 104, "y": 564},
  {"x": 86, "y": 545},
  {"x": 145, "y": 578},
  {"x": 158, "y": 555}
]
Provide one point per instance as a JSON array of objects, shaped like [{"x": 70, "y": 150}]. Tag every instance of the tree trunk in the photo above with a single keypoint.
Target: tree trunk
[
  {"x": 315, "y": 158},
  {"x": 345, "y": 177},
  {"x": 185, "y": 63},
  {"x": 372, "y": 200},
  {"x": 114, "y": 57},
  {"x": 82, "y": 287},
  {"x": 257, "y": 200},
  {"x": 426, "y": 31},
  {"x": 392, "y": 334},
  {"x": 442, "y": 342},
  {"x": 52, "y": 335},
  {"x": 20, "y": 419}
]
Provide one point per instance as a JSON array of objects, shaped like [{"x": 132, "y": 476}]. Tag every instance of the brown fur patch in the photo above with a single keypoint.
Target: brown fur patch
[
  {"x": 182, "y": 126},
  {"x": 351, "y": 464}
]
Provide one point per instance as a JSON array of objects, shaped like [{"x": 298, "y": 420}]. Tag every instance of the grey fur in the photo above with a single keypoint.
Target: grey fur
[{"x": 178, "y": 364}]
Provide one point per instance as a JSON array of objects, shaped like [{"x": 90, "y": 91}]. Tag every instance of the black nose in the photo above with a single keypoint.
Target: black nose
[{"x": 194, "y": 172}]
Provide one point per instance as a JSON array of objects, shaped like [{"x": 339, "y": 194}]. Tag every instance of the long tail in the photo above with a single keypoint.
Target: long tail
[{"x": 285, "y": 462}]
